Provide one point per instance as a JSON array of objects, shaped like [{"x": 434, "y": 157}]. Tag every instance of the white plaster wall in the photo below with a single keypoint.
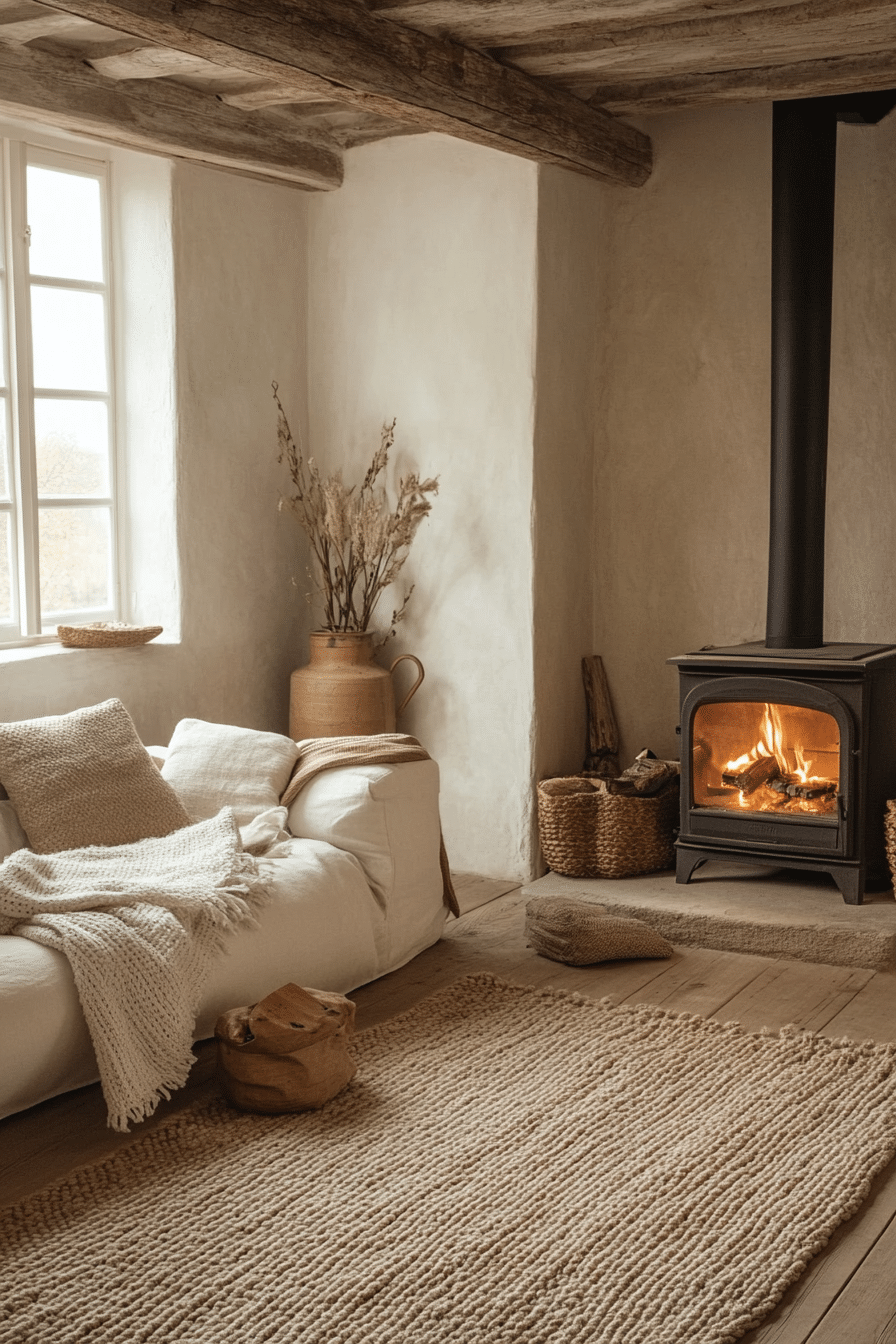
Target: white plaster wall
[
  {"x": 681, "y": 468},
  {"x": 861, "y": 510},
  {"x": 570, "y": 299},
  {"x": 422, "y": 292},
  {"x": 236, "y": 283}
]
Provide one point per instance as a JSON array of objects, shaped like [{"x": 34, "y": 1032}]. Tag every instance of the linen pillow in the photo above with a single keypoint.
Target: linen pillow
[
  {"x": 85, "y": 779},
  {"x": 580, "y": 933},
  {"x": 215, "y": 765}
]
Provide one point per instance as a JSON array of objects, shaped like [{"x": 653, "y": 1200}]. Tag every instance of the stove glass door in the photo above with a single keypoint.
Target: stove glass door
[{"x": 750, "y": 756}]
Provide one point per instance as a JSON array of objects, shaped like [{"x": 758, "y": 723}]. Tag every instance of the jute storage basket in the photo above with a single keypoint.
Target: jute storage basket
[
  {"x": 890, "y": 837},
  {"x": 587, "y": 832}
]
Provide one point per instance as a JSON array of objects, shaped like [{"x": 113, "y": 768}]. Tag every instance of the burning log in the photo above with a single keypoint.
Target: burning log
[
  {"x": 815, "y": 788},
  {"x": 750, "y": 777}
]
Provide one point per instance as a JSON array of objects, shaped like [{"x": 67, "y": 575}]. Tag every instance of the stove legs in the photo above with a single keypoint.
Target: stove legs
[
  {"x": 686, "y": 863},
  {"x": 850, "y": 880}
]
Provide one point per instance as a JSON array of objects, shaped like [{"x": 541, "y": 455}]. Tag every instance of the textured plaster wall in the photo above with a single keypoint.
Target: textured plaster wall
[
  {"x": 234, "y": 283},
  {"x": 570, "y": 300},
  {"x": 861, "y": 537},
  {"x": 422, "y": 293},
  {"x": 681, "y": 483},
  {"x": 681, "y": 469}
]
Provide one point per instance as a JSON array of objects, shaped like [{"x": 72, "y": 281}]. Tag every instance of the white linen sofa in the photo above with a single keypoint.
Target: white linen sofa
[{"x": 356, "y": 894}]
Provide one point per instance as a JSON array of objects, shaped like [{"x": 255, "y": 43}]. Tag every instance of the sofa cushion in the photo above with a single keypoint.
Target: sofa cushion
[
  {"x": 215, "y": 765},
  {"x": 85, "y": 779},
  {"x": 387, "y": 816}
]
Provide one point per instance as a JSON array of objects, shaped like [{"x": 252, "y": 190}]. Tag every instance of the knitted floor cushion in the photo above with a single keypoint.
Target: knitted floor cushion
[{"x": 580, "y": 933}]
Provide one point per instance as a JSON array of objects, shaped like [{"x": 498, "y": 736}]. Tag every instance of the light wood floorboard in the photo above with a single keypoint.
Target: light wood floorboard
[{"x": 848, "y": 1293}]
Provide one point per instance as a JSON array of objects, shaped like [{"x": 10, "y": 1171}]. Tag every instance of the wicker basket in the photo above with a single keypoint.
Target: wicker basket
[
  {"x": 105, "y": 635},
  {"x": 890, "y": 837},
  {"x": 587, "y": 832}
]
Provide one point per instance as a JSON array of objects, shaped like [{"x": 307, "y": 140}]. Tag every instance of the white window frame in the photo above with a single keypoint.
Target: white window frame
[{"x": 29, "y": 624}]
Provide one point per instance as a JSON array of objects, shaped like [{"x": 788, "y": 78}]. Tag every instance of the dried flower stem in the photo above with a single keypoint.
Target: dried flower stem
[{"x": 358, "y": 543}]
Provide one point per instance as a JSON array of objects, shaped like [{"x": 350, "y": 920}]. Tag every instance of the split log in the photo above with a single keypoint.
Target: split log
[
  {"x": 647, "y": 774},
  {"x": 818, "y": 788},
  {"x": 602, "y": 738},
  {"x": 749, "y": 779}
]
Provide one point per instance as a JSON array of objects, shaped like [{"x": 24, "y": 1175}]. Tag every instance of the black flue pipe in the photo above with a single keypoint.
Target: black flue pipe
[{"x": 804, "y": 156}]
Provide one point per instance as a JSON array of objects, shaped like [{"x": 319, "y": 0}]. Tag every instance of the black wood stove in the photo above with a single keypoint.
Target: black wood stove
[{"x": 788, "y": 748}]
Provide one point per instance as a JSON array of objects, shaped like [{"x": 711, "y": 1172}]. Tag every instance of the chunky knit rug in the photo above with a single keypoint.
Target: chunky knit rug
[{"x": 510, "y": 1166}]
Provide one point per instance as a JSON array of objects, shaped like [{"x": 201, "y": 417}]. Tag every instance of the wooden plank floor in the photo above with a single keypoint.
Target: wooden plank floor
[{"x": 848, "y": 1293}]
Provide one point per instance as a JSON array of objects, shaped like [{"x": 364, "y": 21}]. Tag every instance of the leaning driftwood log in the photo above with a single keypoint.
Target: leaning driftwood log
[{"x": 602, "y": 738}]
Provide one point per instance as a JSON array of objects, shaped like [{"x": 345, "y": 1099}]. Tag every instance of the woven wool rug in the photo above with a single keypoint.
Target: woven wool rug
[{"x": 510, "y": 1166}]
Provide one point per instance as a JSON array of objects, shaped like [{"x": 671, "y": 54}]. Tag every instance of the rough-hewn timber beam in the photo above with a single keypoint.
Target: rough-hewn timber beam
[
  {"x": 766, "y": 37},
  {"x": 805, "y": 79},
  {"x": 165, "y": 119},
  {"x": 339, "y": 50}
]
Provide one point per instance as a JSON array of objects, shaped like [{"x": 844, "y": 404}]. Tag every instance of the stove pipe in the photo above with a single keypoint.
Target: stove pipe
[{"x": 804, "y": 154}]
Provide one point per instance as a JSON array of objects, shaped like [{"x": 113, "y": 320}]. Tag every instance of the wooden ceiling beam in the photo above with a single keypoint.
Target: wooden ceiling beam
[
  {"x": 764, "y": 37},
  {"x": 805, "y": 79},
  {"x": 164, "y": 118},
  {"x": 505, "y": 23},
  {"x": 336, "y": 49}
]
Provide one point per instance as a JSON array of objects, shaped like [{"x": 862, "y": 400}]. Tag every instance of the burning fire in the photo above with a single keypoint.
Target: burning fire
[{"x": 787, "y": 779}]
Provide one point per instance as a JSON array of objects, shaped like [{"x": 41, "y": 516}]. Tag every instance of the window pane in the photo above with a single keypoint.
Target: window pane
[
  {"x": 66, "y": 225},
  {"x": 72, "y": 445},
  {"x": 75, "y": 560},
  {"x": 69, "y": 337},
  {"x": 3, "y": 333},
  {"x": 4, "y": 465},
  {"x": 5, "y": 569}
]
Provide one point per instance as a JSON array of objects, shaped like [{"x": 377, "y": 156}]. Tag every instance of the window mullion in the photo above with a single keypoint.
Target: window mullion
[{"x": 21, "y": 392}]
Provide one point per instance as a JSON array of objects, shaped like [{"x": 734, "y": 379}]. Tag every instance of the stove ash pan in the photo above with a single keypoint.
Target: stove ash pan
[{"x": 788, "y": 759}]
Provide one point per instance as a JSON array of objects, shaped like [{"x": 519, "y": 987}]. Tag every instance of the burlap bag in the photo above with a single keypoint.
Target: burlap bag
[
  {"x": 581, "y": 933},
  {"x": 286, "y": 1053}
]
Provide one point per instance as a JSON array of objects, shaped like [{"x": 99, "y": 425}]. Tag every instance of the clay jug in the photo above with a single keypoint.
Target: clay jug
[{"x": 342, "y": 692}]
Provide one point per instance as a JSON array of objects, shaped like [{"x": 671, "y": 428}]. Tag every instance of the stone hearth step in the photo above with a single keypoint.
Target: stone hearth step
[{"x": 764, "y": 912}]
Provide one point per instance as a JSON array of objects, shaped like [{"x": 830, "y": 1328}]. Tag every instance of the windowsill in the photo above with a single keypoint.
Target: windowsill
[{"x": 53, "y": 649}]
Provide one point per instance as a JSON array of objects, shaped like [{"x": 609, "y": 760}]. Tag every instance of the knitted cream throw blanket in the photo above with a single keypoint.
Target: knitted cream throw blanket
[
  {"x": 329, "y": 753},
  {"x": 139, "y": 925}
]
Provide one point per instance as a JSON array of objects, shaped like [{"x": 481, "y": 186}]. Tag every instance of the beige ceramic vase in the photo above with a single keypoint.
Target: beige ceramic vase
[{"x": 342, "y": 692}]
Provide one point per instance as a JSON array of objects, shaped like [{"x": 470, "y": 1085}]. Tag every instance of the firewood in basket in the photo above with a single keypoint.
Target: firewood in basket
[
  {"x": 646, "y": 775},
  {"x": 749, "y": 779}
]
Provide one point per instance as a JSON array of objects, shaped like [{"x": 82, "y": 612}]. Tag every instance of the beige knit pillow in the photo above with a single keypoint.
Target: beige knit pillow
[
  {"x": 579, "y": 933},
  {"x": 85, "y": 779}
]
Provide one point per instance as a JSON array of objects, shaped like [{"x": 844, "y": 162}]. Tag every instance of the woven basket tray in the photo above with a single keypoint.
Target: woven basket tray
[
  {"x": 586, "y": 832},
  {"x": 105, "y": 635}
]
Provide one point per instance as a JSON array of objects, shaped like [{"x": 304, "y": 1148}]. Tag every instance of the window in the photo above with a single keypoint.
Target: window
[{"x": 58, "y": 543}]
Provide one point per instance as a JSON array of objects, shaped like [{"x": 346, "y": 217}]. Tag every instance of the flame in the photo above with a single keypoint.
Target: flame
[
  {"x": 792, "y": 763},
  {"x": 771, "y": 743}
]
